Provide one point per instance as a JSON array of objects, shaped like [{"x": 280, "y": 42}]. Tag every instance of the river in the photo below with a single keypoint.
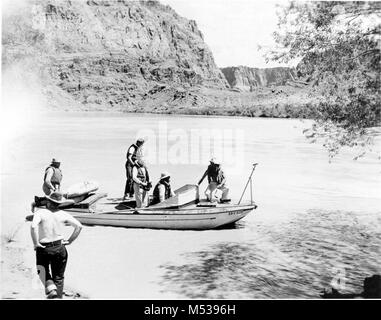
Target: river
[{"x": 316, "y": 221}]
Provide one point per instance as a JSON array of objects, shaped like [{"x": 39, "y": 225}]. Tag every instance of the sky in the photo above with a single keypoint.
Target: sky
[{"x": 233, "y": 29}]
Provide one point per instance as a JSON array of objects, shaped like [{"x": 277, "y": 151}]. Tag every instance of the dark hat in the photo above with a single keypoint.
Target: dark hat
[
  {"x": 57, "y": 198},
  {"x": 54, "y": 160}
]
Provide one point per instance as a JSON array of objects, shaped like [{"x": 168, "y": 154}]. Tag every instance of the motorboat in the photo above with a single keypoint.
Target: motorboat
[{"x": 184, "y": 211}]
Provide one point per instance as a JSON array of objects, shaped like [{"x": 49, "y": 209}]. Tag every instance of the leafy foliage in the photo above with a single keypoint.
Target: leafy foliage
[{"x": 338, "y": 45}]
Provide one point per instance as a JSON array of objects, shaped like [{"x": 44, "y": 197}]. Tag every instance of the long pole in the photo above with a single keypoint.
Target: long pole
[
  {"x": 252, "y": 171},
  {"x": 251, "y": 191}
]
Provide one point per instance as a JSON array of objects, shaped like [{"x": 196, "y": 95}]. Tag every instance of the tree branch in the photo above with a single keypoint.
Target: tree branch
[{"x": 362, "y": 54}]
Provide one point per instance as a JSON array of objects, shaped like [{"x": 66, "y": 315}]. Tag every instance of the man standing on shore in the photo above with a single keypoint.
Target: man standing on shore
[
  {"x": 134, "y": 153},
  {"x": 49, "y": 244}
]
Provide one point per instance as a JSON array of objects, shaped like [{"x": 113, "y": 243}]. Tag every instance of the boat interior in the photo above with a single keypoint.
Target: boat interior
[{"x": 186, "y": 197}]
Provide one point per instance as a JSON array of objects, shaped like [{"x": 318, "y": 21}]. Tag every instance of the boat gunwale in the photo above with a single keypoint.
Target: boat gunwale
[
  {"x": 116, "y": 219},
  {"x": 145, "y": 212}
]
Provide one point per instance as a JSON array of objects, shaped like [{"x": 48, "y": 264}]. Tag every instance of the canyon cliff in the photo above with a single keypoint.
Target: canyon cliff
[
  {"x": 132, "y": 56},
  {"x": 114, "y": 52}
]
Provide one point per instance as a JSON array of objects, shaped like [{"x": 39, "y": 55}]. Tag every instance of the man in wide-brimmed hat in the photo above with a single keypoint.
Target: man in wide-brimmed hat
[
  {"x": 52, "y": 177},
  {"x": 49, "y": 243},
  {"x": 163, "y": 189},
  {"x": 216, "y": 189},
  {"x": 134, "y": 153}
]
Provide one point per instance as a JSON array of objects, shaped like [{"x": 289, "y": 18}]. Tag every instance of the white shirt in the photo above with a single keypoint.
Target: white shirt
[{"x": 50, "y": 224}]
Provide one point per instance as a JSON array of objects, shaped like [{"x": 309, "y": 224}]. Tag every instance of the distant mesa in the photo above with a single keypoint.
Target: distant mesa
[{"x": 247, "y": 79}]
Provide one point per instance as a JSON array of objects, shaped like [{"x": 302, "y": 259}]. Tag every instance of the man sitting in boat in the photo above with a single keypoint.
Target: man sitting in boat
[
  {"x": 216, "y": 189},
  {"x": 141, "y": 181},
  {"x": 162, "y": 189},
  {"x": 52, "y": 178}
]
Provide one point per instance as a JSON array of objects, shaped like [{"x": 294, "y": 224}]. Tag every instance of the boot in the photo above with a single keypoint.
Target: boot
[{"x": 52, "y": 294}]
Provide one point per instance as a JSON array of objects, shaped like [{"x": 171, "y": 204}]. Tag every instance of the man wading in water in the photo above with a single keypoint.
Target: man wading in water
[
  {"x": 47, "y": 237},
  {"x": 134, "y": 153}
]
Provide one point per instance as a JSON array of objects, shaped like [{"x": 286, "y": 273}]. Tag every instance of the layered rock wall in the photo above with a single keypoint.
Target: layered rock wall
[
  {"x": 113, "y": 52},
  {"x": 247, "y": 79}
]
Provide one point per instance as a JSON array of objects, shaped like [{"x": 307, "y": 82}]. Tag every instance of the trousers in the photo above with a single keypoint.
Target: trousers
[{"x": 51, "y": 265}]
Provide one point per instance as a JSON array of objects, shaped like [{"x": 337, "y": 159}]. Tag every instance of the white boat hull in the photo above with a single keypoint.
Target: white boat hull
[{"x": 192, "y": 219}]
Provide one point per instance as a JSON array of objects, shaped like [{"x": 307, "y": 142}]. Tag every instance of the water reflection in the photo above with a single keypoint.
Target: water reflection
[
  {"x": 291, "y": 259},
  {"x": 229, "y": 271},
  {"x": 235, "y": 225}
]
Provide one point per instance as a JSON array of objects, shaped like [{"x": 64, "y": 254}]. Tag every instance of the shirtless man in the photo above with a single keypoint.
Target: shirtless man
[{"x": 49, "y": 243}]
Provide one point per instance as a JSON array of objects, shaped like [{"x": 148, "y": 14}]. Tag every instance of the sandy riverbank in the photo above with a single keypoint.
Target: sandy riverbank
[{"x": 18, "y": 274}]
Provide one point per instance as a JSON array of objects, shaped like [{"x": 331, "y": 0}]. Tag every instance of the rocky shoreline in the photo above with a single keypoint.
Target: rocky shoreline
[
  {"x": 280, "y": 102},
  {"x": 274, "y": 113}
]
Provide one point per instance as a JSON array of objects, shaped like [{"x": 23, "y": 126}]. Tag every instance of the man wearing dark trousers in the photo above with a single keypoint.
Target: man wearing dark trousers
[
  {"x": 134, "y": 153},
  {"x": 49, "y": 243}
]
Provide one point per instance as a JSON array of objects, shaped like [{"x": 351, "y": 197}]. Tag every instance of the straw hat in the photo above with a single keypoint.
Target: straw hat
[
  {"x": 215, "y": 160},
  {"x": 164, "y": 175},
  {"x": 140, "y": 162}
]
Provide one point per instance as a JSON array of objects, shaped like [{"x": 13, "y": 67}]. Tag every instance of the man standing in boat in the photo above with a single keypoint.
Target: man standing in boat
[
  {"x": 141, "y": 182},
  {"x": 49, "y": 244},
  {"x": 216, "y": 189},
  {"x": 163, "y": 189},
  {"x": 52, "y": 178},
  {"x": 134, "y": 152}
]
